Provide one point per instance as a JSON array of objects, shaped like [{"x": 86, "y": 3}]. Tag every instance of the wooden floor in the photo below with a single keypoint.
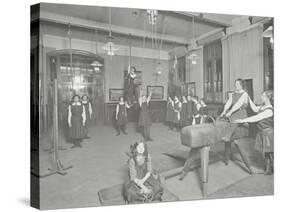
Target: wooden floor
[{"x": 101, "y": 163}]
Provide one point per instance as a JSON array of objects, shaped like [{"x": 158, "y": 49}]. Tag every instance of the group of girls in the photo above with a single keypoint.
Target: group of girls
[
  {"x": 79, "y": 116},
  {"x": 145, "y": 185},
  {"x": 189, "y": 110},
  {"x": 236, "y": 110}
]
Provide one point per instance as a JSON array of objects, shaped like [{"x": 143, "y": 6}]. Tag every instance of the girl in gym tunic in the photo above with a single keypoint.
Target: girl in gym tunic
[
  {"x": 265, "y": 122},
  {"x": 76, "y": 121}
]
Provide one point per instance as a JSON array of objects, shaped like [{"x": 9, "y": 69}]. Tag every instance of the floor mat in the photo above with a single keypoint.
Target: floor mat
[{"x": 114, "y": 196}]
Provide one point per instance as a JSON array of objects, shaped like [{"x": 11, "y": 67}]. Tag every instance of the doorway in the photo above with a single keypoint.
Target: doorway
[{"x": 78, "y": 72}]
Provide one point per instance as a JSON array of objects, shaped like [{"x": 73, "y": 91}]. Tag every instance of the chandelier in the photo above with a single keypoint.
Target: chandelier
[
  {"x": 152, "y": 16},
  {"x": 109, "y": 47},
  {"x": 96, "y": 64},
  {"x": 193, "y": 56}
]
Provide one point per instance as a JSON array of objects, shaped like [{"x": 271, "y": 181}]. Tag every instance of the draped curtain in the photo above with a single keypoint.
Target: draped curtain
[
  {"x": 243, "y": 58},
  {"x": 176, "y": 76}
]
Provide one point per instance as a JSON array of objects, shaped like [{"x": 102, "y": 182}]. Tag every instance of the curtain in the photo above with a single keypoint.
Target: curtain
[
  {"x": 243, "y": 58},
  {"x": 176, "y": 76}
]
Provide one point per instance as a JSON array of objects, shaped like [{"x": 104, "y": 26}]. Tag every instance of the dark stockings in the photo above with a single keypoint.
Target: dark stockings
[
  {"x": 268, "y": 163},
  {"x": 121, "y": 128},
  {"x": 76, "y": 143}
]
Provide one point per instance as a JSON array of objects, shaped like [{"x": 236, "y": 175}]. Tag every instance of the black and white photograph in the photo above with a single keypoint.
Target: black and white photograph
[{"x": 145, "y": 105}]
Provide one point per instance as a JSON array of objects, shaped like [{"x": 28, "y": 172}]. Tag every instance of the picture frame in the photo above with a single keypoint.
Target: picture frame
[
  {"x": 115, "y": 94},
  {"x": 157, "y": 92}
]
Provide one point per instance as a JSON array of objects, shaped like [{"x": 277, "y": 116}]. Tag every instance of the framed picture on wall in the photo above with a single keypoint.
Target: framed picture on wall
[
  {"x": 191, "y": 88},
  {"x": 115, "y": 94},
  {"x": 157, "y": 91}
]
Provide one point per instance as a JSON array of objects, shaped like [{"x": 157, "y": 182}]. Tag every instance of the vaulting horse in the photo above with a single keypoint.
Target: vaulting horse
[{"x": 200, "y": 137}]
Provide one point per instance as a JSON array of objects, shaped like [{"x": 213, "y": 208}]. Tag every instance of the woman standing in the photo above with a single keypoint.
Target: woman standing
[
  {"x": 121, "y": 115},
  {"x": 76, "y": 121},
  {"x": 235, "y": 108},
  {"x": 170, "y": 113},
  {"x": 177, "y": 110},
  {"x": 265, "y": 123},
  {"x": 144, "y": 117},
  {"x": 144, "y": 184},
  {"x": 88, "y": 111}
]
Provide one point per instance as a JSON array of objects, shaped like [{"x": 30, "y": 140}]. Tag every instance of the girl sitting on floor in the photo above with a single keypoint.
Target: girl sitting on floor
[{"x": 144, "y": 184}]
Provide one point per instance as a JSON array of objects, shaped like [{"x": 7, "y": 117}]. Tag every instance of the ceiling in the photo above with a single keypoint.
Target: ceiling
[{"x": 170, "y": 25}]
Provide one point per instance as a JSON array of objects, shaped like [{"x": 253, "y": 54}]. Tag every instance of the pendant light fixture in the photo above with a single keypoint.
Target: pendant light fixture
[
  {"x": 130, "y": 53},
  {"x": 193, "y": 56},
  {"x": 110, "y": 47},
  {"x": 96, "y": 63},
  {"x": 69, "y": 35},
  {"x": 159, "y": 67}
]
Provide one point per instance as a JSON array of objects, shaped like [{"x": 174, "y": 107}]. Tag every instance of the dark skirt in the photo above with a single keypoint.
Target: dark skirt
[
  {"x": 235, "y": 131},
  {"x": 122, "y": 119},
  {"x": 77, "y": 130},
  {"x": 132, "y": 192},
  {"x": 170, "y": 114},
  {"x": 144, "y": 118},
  {"x": 264, "y": 141}
]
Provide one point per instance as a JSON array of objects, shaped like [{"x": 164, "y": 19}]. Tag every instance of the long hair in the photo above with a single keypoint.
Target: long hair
[
  {"x": 270, "y": 96},
  {"x": 133, "y": 150}
]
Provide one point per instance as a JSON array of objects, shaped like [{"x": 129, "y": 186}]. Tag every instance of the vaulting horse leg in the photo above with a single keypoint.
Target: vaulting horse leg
[
  {"x": 204, "y": 168},
  {"x": 243, "y": 156},
  {"x": 188, "y": 163},
  {"x": 227, "y": 151}
]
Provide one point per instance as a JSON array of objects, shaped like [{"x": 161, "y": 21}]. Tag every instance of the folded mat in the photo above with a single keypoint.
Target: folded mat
[{"x": 114, "y": 196}]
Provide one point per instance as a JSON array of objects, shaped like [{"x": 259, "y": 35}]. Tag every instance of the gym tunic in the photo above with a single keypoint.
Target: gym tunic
[
  {"x": 76, "y": 130},
  {"x": 144, "y": 118},
  {"x": 265, "y": 136},
  {"x": 241, "y": 113},
  {"x": 122, "y": 115},
  {"x": 170, "y": 112}
]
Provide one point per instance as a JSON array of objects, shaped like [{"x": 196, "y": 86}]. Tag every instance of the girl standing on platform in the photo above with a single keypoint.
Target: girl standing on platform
[
  {"x": 88, "y": 111},
  {"x": 265, "y": 122},
  {"x": 144, "y": 184},
  {"x": 121, "y": 115},
  {"x": 76, "y": 121},
  {"x": 177, "y": 110},
  {"x": 170, "y": 113},
  {"x": 144, "y": 117}
]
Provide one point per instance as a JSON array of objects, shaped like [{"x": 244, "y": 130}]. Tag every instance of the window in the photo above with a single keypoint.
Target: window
[{"x": 213, "y": 72}]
